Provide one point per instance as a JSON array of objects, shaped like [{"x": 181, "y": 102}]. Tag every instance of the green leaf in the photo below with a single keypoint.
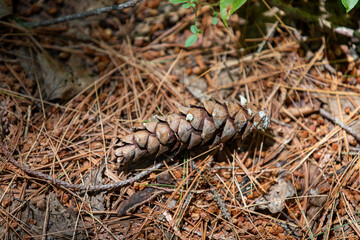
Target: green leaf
[
  {"x": 178, "y": 1},
  {"x": 191, "y": 40},
  {"x": 214, "y": 20},
  {"x": 228, "y": 7},
  {"x": 186, "y": 5},
  {"x": 194, "y": 29},
  {"x": 349, "y": 4}
]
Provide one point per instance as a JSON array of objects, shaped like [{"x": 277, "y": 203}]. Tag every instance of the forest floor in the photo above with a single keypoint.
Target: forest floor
[{"x": 69, "y": 91}]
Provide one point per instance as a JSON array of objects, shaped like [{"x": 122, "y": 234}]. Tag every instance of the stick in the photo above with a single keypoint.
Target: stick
[
  {"x": 64, "y": 184},
  {"x": 83, "y": 14},
  {"x": 341, "y": 124}
]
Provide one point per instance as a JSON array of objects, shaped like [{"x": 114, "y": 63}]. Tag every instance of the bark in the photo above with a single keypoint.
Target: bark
[{"x": 209, "y": 124}]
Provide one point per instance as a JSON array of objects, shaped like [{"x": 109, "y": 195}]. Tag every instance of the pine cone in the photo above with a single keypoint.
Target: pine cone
[{"x": 209, "y": 124}]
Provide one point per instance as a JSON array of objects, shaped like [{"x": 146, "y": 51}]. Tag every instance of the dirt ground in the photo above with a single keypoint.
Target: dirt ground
[{"x": 70, "y": 91}]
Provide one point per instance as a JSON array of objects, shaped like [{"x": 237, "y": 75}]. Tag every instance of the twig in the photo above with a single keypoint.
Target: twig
[
  {"x": 170, "y": 220},
  {"x": 348, "y": 32},
  {"x": 83, "y": 14},
  {"x": 281, "y": 123},
  {"x": 27, "y": 121},
  {"x": 64, "y": 184},
  {"x": 298, "y": 13},
  {"x": 46, "y": 220},
  {"x": 138, "y": 199},
  {"x": 268, "y": 35},
  {"x": 302, "y": 111},
  {"x": 222, "y": 206},
  {"x": 341, "y": 124}
]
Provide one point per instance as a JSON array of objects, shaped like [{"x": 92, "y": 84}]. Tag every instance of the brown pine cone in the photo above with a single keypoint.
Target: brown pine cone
[{"x": 209, "y": 124}]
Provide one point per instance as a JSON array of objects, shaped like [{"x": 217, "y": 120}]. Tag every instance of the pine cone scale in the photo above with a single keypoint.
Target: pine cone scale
[
  {"x": 232, "y": 108},
  {"x": 153, "y": 144},
  {"x": 219, "y": 115},
  {"x": 164, "y": 133},
  {"x": 141, "y": 138},
  {"x": 184, "y": 130},
  {"x": 195, "y": 139},
  {"x": 150, "y": 126},
  {"x": 208, "y": 130},
  {"x": 229, "y": 131},
  {"x": 173, "y": 120},
  {"x": 195, "y": 117}
]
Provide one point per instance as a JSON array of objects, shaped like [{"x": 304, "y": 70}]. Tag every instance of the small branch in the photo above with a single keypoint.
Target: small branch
[
  {"x": 138, "y": 199},
  {"x": 337, "y": 121},
  {"x": 64, "y": 184},
  {"x": 348, "y": 32},
  {"x": 296, "y": 12},
  {"x": 301, "y": 111},
  {"x": 222, "y": 207},
  {"x": 83, "y": 14}
]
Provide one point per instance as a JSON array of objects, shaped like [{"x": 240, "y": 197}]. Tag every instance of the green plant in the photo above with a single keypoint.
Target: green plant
[
  {"x": 349, "y": 4},
  {"x": 227, "y": 8}
]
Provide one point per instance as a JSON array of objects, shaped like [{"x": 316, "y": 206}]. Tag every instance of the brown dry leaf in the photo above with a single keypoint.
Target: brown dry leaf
[
  {"x": 97, "y": 201},
  {"x": 61, "y": 221},
  {"x": 222, "y": 80},
  {"x": 275, "y": 200},
  {"x": 197, "y": 87},
  {"x": 61, "y": 218},
  {"x": 5, "y": 8},
  {"x": 57, "y": 80}
]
